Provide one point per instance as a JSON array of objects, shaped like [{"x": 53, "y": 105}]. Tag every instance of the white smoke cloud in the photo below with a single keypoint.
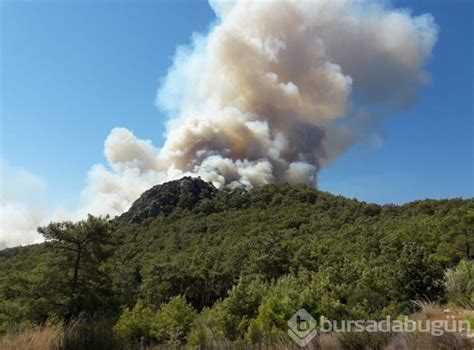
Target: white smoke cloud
[
  {"x": 270, "y": 94},
  {"x": 275, "y": 91},
  {"x": 21, "y": 210}
]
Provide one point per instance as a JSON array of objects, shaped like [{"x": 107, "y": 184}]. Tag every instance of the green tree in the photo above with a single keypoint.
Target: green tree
[
  {"x": 419, "y": 276},
  {"x": 84, "y": 246},
  {"x": 458, "y": 234}
]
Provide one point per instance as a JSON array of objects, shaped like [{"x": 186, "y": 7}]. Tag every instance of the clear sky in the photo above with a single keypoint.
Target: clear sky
[{"x": 73, "y": 70}]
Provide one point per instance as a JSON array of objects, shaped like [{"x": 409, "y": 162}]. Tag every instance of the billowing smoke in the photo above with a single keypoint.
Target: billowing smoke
[{"x": 275, "y": 91}]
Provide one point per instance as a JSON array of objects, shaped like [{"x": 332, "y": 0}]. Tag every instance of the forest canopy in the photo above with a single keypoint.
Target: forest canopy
[{"x": 237, "y": 264}]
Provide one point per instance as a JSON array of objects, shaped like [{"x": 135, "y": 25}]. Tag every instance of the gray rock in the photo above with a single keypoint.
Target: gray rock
[{"x": 184, "y": 193}]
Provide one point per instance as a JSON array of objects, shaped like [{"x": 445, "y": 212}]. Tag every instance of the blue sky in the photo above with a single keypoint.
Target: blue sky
[{"x": 71, "y": 71}]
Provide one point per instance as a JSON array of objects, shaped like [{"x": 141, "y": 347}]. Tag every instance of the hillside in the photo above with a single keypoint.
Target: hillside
[{"x": 244, "y": 259}]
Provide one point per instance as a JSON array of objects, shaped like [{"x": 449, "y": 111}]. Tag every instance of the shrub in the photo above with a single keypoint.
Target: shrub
[
  {"x": 419, "y": 276},
  {"x": 235, "y": 312},
  {"x": 275, "y": 310},
  {"x": 136, "y": 323},
  {"x": 459, "y": 283},
  {"x": 206, "y": 329},
  {"x": 173, "y": 321}
]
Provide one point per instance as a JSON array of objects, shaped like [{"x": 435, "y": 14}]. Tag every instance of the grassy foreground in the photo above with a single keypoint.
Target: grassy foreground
[{"x": 87, "y": 335}]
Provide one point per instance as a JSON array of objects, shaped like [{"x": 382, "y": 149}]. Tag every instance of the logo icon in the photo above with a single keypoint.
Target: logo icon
[{"x": 302, "y": 327}]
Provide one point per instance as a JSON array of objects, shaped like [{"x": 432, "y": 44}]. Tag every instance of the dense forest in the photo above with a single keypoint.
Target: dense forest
[{"x": 189, "y": 264}]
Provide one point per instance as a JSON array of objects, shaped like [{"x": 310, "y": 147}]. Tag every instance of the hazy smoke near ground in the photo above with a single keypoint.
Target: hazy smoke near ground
[
  {"x": 21, "y": 205},
  {"x": 275, "y": 91}
]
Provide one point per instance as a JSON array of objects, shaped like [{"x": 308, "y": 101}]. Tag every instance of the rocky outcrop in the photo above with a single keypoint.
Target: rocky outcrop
[{"x": 184, "y": 193}]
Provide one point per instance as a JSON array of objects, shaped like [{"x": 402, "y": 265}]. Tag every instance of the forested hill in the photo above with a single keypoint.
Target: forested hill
[{"x": 236, "y": 254}]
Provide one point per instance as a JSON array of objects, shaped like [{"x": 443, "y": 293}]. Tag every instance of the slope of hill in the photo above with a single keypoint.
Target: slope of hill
[{"x": 247, "y": 260}]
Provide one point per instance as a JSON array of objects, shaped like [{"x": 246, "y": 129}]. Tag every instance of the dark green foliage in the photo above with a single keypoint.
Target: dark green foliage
[
  {"x": 136, "y": 323},
  {"x": 82, "y": 249},
  {"x": 244, "y": 260},
  {"x": 60, "y": 279},
  {"x": 419, "y": 276},
  {"x": 169, "y": 324}
]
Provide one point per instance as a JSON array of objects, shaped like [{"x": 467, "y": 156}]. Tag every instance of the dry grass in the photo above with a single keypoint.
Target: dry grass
[
  {"x": 329, "y": 342},
  {"x": 40, "y": 338},
  {"x": 418, "y": 340},
  {"x": 407, "y": 341},
  {"x": 430, "y": 311},
  {"x": 78, "y": 335}
]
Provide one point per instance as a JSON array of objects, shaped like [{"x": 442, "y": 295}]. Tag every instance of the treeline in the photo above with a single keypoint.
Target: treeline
[{"x": 235, "y": 267}]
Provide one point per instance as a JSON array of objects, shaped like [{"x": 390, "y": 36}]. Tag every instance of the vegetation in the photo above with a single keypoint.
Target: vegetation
[
  {"x": 231, "y": 267},
  {"x": 460, "y": 284}
]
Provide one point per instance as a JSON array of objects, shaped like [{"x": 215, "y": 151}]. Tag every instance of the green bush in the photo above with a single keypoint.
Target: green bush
[
  {"x": 206, "y": 328},
  {"x": 235, "y": 312},
  {"x": 459, "y": 284},
  {"x": 173, "y": 321},
  {"x": 136, "y": 323},
  {"x": 275, "y": 310}
]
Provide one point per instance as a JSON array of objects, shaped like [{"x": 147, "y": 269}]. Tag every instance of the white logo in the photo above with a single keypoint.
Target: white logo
[{"x": 302, "y": 327}]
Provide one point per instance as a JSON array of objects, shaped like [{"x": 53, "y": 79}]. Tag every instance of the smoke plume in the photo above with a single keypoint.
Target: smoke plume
[{"x": 272, "y": 93}]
